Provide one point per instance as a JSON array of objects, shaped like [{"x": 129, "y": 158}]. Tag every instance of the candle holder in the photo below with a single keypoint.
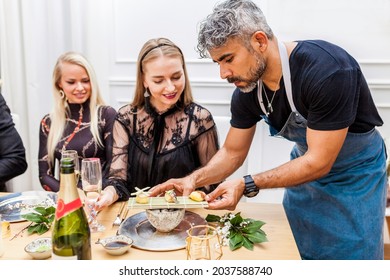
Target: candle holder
[{"x": 203, "y": 243}]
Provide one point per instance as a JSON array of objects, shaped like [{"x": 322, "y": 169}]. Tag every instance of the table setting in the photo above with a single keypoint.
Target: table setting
[{"x": 130, "y": 228}]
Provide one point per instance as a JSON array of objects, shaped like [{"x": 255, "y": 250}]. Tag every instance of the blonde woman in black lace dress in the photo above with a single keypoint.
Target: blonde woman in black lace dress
[
  {"x": 80, "y": 120},
  {"x": 162, "y": 134}
]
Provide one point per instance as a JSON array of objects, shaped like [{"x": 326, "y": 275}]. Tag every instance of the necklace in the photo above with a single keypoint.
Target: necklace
[
  {"x": 75, "y": 130},
  {"x": 270, "y": 109}
]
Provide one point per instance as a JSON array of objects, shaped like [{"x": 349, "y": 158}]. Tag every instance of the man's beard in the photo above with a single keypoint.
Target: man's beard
[{"x": 254, "y": 75}]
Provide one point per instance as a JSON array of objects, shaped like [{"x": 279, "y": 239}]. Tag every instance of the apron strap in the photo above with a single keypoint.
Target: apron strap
[
  {"x": 286, "y": 74},
  {"x": 286, "y": 78}
]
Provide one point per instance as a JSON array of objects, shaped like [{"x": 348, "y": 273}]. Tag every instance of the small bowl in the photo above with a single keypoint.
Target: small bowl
[
  {"x": 165, "y": 220},
  {"x": 116, "y": 245},
  {"x": 40, "y": 248}
]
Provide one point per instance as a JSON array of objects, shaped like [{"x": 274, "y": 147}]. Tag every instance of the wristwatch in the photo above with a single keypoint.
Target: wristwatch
[{"x": 250, "y": 188}]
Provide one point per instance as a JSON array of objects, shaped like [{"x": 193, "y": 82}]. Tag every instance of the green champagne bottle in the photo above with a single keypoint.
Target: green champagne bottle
[{"x": 71, "y": 236}]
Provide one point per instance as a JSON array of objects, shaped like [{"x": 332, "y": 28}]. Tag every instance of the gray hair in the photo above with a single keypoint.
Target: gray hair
[{"x": 232, "y": 18}]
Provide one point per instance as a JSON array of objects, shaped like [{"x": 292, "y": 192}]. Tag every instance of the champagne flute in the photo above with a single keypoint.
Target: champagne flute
[
  {"x": 73, "y": 154},
  {"x": 91, "y": 178}
]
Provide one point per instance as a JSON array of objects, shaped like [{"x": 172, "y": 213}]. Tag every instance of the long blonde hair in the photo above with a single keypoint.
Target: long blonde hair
[
  {"x": 61, "y": 108},
  {"x": 151, "y": 50}
]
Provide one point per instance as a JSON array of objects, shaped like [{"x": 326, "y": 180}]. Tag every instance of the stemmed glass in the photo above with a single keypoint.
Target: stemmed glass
[
  {"x": 91, "y": 178},
  {"x": 73, "y": 155}
]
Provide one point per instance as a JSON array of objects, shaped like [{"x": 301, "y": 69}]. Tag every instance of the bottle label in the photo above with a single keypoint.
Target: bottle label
[{"x": 65, "y": 208}]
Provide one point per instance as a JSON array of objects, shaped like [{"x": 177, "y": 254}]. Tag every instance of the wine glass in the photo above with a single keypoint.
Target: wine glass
[
  {"x": 91, "y": 178},
  {"x": 73, "y": 155}
]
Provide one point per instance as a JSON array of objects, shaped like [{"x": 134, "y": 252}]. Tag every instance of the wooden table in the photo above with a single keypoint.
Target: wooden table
[{"x": 280, "y": 246}]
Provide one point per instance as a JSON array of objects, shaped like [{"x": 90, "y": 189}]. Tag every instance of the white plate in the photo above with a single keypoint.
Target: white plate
[
  {"x": 146, "y": 237},
  {"x": 14, "y": 205}
]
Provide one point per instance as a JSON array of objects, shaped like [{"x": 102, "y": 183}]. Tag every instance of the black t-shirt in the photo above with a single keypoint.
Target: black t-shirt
[{"x": 329, "y": 91}]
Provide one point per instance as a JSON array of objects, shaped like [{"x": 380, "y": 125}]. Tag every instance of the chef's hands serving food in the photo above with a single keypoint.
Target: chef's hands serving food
[{"x": 226, "y": 196}]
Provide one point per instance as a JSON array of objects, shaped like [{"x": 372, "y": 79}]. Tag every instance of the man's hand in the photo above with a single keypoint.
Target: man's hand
[
  {"x": 182, "y": 187},
  {"x": 226, "y": 195}
]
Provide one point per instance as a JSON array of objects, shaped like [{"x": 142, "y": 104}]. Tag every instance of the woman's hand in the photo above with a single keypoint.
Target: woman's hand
[{"x": 107, "y": 197}]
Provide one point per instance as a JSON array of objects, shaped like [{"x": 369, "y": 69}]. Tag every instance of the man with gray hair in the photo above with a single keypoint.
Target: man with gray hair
[{"x": 310, "y": 92}]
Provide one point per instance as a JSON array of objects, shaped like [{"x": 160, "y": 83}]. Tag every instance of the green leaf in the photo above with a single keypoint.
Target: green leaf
[
  {"x": 50, "y": 210},
  {"x": 234, "y": 246},
  {"x": 236, "y": 221},
  {"x": 213, "y": 218},
  {"x": 41, "y": 210},
  {"x": 247, "y": 244},
  {"x": 256, "y": 237},
  {"x": 257, "y": 223},
  {"x": 33, "y": 217},
  {"x": 235, "y": 238},
  {"x": 253, "y": 226},
  {"x": 33, "y": 228},
  {"x": 51, "y": 219},
  {"x": 41, "y": 219},
  {"x": 42, "y": 229}
]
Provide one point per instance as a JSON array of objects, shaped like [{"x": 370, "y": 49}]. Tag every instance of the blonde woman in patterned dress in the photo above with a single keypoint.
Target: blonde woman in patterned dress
[{"x": 80, "y": 120}]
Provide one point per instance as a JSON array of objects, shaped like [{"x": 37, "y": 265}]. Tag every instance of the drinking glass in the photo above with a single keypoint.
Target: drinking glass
[
  {"x": 73, "y": 155},
  {"x": 91, "y": 178},
  {"x": 203, "y": 243}
]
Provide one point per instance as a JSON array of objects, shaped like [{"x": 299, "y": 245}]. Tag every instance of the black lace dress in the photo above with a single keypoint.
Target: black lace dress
[{"x": 149, "y": 148}]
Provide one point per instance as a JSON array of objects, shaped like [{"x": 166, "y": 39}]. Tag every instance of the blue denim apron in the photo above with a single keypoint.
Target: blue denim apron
[{"x": 341, "y": 215}]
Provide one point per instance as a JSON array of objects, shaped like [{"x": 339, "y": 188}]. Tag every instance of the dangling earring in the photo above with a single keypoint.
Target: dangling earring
[
  {"x": 62, "y": 93},
  {"x": 147, "y": 100}
]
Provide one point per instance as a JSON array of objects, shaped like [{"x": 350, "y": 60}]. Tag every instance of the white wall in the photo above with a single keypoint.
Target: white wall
[{"x": 111, "y": 32}]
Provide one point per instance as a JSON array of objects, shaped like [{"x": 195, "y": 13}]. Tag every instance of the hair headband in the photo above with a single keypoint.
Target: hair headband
[{"x": 158, "y": 46}]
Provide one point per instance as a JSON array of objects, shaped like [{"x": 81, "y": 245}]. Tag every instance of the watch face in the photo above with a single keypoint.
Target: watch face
[
  {"x": 251, "y": 193},
  {"x": 250, "y": 188}
]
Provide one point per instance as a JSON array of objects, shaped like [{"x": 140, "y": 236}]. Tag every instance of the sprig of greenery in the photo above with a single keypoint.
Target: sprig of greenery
[
  {"x": 41, "y": 219},
  {"x": 237, "y": 231}
]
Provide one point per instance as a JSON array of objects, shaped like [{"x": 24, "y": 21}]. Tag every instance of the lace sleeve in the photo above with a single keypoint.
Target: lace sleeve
[
  {"x": 118, "y": 168},
  {"x": 204, "y": 133},
  {"x": 207, "y": 145},
  {"x": 109, "y": 116}
]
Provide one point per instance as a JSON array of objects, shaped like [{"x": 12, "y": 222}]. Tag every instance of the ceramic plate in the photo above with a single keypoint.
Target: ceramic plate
[
  {"x": 145, "y": 236},
  {"x": 14, "y": 205}
]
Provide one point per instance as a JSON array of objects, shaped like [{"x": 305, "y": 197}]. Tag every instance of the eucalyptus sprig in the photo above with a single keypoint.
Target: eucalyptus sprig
[
  {"x": 41, "y": 219},
  {"x": 237, "y": 231}
]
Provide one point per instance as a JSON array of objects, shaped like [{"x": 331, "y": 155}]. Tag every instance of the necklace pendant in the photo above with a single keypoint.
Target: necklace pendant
[{"x": 269, "y": 108}]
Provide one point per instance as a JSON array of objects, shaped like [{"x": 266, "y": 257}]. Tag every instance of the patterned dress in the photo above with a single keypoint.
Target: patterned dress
[
  {"x": 81, "y": 141},
  {"x": 150, "y": 148}
]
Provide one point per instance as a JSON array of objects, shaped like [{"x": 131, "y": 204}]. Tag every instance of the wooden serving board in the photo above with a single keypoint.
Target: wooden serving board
[{"x": 160, "y": 203}]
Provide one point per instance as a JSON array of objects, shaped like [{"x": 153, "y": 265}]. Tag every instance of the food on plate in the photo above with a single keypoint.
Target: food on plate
[
  {"x": 142, "y": 198},
  {"x": 170, "y": 196},
  {"x": 197, "y": 196},
  {"x": 141, "y": 195}
]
